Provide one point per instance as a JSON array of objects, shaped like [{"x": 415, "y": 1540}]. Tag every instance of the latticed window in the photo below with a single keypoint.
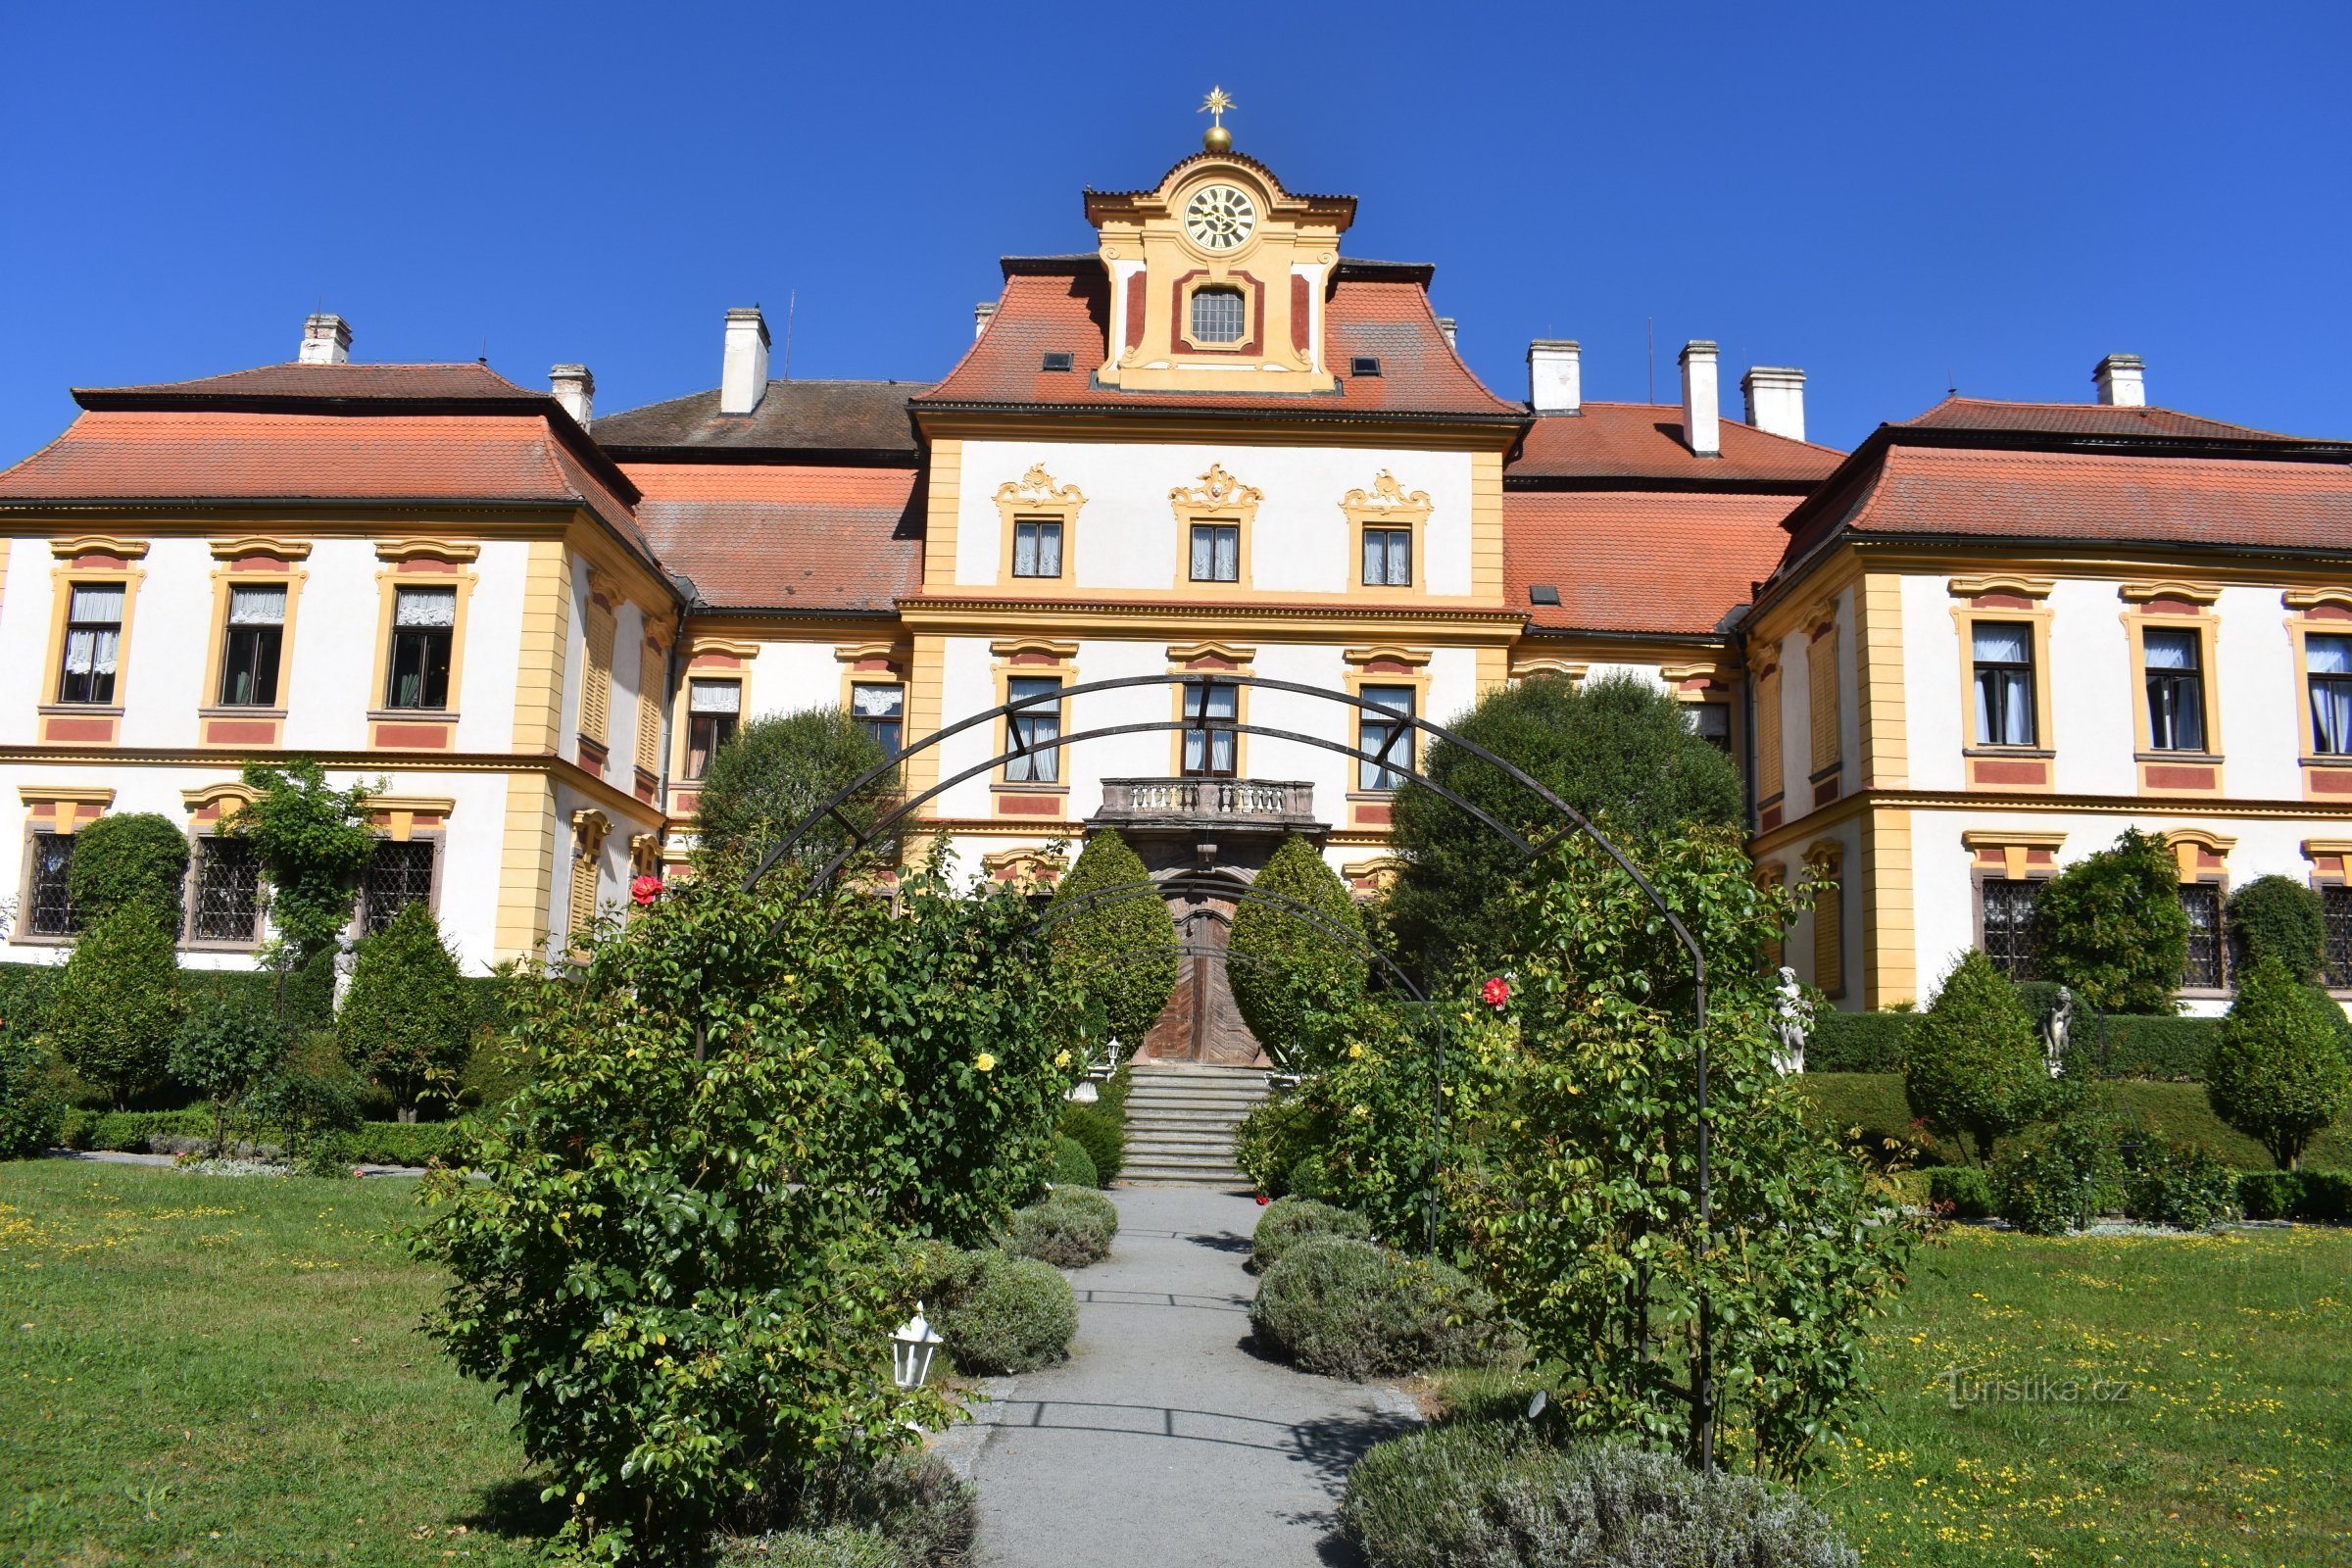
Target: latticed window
[
  {"x": 228, "y": 885},
  {"x": 1218, "y": 315},
  {"x": 2009, "y": 927},
  {"x": 53, "y": 913},
  {"x": 2336, "y": 902},
  {"x": 397, "y": 876},
  {"x": 2201, "y": 901}
]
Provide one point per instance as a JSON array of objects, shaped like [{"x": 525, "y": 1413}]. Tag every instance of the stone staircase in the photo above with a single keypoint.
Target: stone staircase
[{"x": 1180, "y": 1121}]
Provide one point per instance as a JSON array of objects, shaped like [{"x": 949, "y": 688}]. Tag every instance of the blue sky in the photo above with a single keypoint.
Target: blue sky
[{"x": 1892, "y": 197}]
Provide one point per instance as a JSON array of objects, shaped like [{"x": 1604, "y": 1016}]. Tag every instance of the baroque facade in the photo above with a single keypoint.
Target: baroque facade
[{"x": 1949, "y": 661}]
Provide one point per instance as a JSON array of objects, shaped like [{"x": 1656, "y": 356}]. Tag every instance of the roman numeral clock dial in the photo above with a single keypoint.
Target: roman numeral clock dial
[{"x": 1220, "y": 217}]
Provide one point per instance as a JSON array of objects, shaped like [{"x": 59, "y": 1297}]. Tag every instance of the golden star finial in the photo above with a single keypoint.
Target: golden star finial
[{"x": 1216, "y": 138}]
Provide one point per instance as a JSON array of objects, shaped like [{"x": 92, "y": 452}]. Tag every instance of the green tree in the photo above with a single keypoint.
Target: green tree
[
  {"x": 221, "y": 1051},
  {"x": 32, "y": 1113},
  {"x": 2111, "y": 927},
  {"x": 1616, "y": 748},
  {"x": 2278, "y": 1071},
  {"x": 117, "y": 1005},
  {"x": 313, "y": 842},
  {"x": 1303, "y": 978},
  {"x": 1973, "y": 1063},
  {"x": 2277, "y": 917},
  {"x": 127, "y": 858},
  {"x": 766, "y": 781},
  {"x": 1106, "y": 950},
  {"x": 406, "y": 1020}
]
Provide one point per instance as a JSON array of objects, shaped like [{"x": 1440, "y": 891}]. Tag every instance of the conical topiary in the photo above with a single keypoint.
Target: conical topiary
[
  {"x": 1109, "y": 948},
  {"x": 1974, "y": 1063},
  {"x": 1288, "y": 972},
  {"x": 2279, "y": 1072}
]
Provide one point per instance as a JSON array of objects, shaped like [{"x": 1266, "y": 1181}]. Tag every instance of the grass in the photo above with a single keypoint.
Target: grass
[
  {"x": 227, "y": 1371},
  {"x": 2176, "y": 1111},
  {"x": 2223, "y": 1441}
]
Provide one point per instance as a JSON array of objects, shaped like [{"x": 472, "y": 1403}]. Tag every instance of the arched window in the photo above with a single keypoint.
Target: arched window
[{"x": 1218, "y": 315}]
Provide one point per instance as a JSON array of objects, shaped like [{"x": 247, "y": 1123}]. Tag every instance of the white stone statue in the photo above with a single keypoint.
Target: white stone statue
[
  {"x": 2054, "y": 1029},
  {"x": 1794, "y": 1023}
]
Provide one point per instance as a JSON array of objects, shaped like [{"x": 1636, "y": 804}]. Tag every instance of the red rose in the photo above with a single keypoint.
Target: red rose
[
  {"x": 1496, "y": 992},
  {"x": 1264, "y": 1199},
  {"x": 646, "y": 889}
]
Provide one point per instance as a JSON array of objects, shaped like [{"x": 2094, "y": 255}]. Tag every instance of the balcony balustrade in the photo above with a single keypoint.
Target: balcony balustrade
[{"x": 1273, "y": 806}]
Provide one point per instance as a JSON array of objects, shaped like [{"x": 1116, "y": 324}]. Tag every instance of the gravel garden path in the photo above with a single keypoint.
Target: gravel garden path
[{"x": 1164, "y": 1440}]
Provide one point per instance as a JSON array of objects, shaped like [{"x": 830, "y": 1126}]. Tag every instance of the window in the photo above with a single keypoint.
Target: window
[
  {"x": 1711, "y": 722},
  {"x": 2009, "y": 926},
  {"x": 881, "y": 711},
  {"x": 1216, "y": 552},
  {"x": 1209, "y": 752},
  {"x": 2005, "y": 653},
  {"x": 1364, "y": 365},
  {"x": 2330, "y": 660},
  {"x": 1218, "y": 315},
  {"x": 714, "y": 709},
  {"x": 255, "y": 636},
  {"x": 2336, "y": 903},
  {"x": 1388, "y": 558},
  {"x": 421, "y": 624},
  {"x": 596, "y": 681},
  {"x": 227, "y": 880},
  {"x": 93, "y": 635},
  {"x": 1036, "y": 548},
  {"x": 1379, "y": 735},
  {"x": 2175, "y": 690},
  {"x": 1030, "y": 731},
  {"x": 397, "y": 876},
  {"x": 2201, "y": 901},
  {"x": 52, "y": 912},
  {"x": 1056, "y": 360}
]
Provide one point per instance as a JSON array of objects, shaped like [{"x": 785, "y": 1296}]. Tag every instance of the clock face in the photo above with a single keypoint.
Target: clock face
[{"x": 1220, "y": 217}]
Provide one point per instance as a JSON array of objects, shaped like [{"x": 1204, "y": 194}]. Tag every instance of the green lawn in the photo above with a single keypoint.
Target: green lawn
[{"x": 226, "y": 1371}]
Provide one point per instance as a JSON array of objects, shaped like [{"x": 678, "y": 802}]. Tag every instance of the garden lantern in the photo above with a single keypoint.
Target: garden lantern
[{"x": 912, "y": 1348}]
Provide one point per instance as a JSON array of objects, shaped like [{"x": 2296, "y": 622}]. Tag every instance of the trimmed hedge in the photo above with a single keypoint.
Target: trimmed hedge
[
  {"x": 1287, "y": 1221},
  {"x": 1000, "y": 1313},
  {"x": 27, "y": 989},
  {"x": 1071, "y": 1166},
  {"x": 375, "y": 1143},
  {"x": 1857, "y": 1042},
  {"x": 1101, "y": 1135},
  {"x": 1966, "y": 1189},
  {"x": 1355, "y": 1309},
  {"x": 1070, "y": 1228},
  {"x": 2323, "y": 1196},
  {"x": 2153, "y": 1045}
]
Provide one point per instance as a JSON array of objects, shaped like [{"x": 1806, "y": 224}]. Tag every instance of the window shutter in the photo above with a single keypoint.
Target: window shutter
[
  {"x": 1822, "y": 670},
  {"x": 649, "y": 711},
  {"x": 1829, "y": 931},
  {"x": 1768, "y": 736},
  {"x": 583, "y": 889},
  {"x": 596, "y": 690}
]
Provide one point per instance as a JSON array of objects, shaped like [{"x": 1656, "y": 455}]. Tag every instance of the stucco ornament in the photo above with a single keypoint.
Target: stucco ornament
[
  {"x": 1793, "y": 1022},
  {"x": 2054, "y": 1031}
]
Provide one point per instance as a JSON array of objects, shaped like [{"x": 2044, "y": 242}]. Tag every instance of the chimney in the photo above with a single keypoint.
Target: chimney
[
  {"x": 325, "y": 340},
  {"x": 1776, "y": 400},
  {"x": 743, "y": 373},
  {"x": 1445, "y": 326},
  {"x": 1701, "y": 425},
  {"x": 1556, "y": 377},
  {"x": 982, "y": 314},
  {"x": 2123, "y": 381},
  {"x": 575, "y": 389}
]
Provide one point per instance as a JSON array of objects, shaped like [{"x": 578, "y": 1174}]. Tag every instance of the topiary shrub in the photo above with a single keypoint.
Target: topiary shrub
[
  {"x": 1354, "y": 1309},
  {"x": 1495, "y": 1494},
  {"x": 406, "y": 1021},
  {"x": 128, "y": 857},
  {"x": 2327, "y": 1197},
  {"x": 1100, "y": 1136},
  {"x": 2278, "y": 1073},
  {"x": 909, "y": 1509},
  {"x": 32, "y": 1113},
  {"x": 1292, "y": 979},
  {"x": 2270, "y": 1193},
  {"x": 1279, "y": 1131},
  {"x": 117, "y": 1007},
  {"x": 778, "y": 770},
  {"x": 1095, "y": 949},
  {"x": 1071, "y": 1165},
  {"x": 2277, "y": 917},
  {"x": 1973, "y": 1064},
  {"x": 2184, "y": 1185},
  {"x": 2165, "y": 1048},
  {"x": 1000, "y": 1313},
  {"x": 1962, "y": 1191},
  {"x": 221, "y": 1051},
  {"x": 1291, "y": 1220},
  {"x": 2111, "y": 927},
  {"x": 1307, "y": 1179},
  {"x": 1070, "y": 1228},
  {"x": 2061, "y": 1178}
]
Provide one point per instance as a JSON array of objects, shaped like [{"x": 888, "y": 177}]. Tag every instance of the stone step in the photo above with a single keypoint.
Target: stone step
[
  {"x": 1238, "y": 1103},
  {"x": 1183, "y": 1170},
  {"x": 1219, "y": 1149}
]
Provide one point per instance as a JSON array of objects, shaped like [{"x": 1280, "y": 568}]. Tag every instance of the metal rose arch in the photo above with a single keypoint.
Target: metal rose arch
[{"x": 1700, "y": 1393}]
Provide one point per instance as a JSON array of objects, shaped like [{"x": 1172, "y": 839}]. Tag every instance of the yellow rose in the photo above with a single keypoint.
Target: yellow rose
[
  {"x": 1356, "y": 1049},
  {"x": 985, "y": 1063},
  {"x": 1062, "y": 1058}
]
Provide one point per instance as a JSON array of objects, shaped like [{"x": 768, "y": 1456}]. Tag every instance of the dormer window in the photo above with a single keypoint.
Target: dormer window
[{"x": 1218, "y": 315}]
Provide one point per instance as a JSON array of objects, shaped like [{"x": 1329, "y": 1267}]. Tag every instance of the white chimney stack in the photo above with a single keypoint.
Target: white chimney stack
[
  {"x": 575, "y": 389},
  {"x": 1701, "y": 425},
  {"x": 1445, "y": 326},
  {"x": 325, "y": 340},
  {"x": 743, "y": 373},
  {"x": 1556, "y": 377},
  {"x": 1776, "y": 400},
  {"x": 2123, "y": 381},
  {"x": 981, "y": 312}
]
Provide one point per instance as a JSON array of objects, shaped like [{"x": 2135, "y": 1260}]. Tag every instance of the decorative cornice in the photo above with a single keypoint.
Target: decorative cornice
[
  {"x": 451, "y": 550},
  {"x": 97, "y": 544},
  {"x": 2195, "y": 593},
  {"x": 260, "y": 545}
]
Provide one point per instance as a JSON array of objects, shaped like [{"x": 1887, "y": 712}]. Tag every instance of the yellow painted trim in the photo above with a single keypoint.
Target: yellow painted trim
[
  {"x": 1771, "y": 739},
  {"x": 64, "y": 802},
  {"x": 455, "y": 552},
  {"x": 1007, "y": 647},
  {"x": 1177, "y": 659},
  {"x": 62, "y": 581},
  {"x": 2001, "y": 582},
  {"x": 1825, "y": 860},
  {"x": 1355, "y": 679},
  {"x": 1415, "y": 656},
  {"x": 389, "y": 581},
  {"x": 1889, "y": 932},
  {"x": 1036, "y": 497},
  {"x": 2038, "y": 620},
  {"x": 1486, "y": 528},
  {"x": 545, "y": 646},
  {"x": 1389, "y": 506},
  {"x": 2137, "y": 625},
  {"x": 260, "y": 545},
  {"x": 2013, "y": 844},
  {"x": 2312, "y": 598},
  {"x": 94, "y": 544},
  {"x": 1878, "y": 680},
  {"x": 731, "y": 647},
  {"x": 944, "y": 491},
  {"x": 1822, "y": 692},
  {"x": 526, "y": 863},
  {"x": 1218, "y": 498},
  {"x": 196, "y": 799},
  {"x": 2186, "y": 842},
  {"x": 227, "y": 578},
  {"x": 2195, "y": 593},
  {"x": 1004, "y": 672},
  {"x": 1524, "y": 669}
]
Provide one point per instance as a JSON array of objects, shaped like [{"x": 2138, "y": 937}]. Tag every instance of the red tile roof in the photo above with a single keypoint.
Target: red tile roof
[
  {"x": 437, "y": 383},
  {"x": 1645, "y": 440},
  {"x": 2124, "y": 499},
  {"x": 2080, "y": 418},
  {"x": 1663, "y": 561},
  {"x": 1064, "y": 309},
  {"x": 793, "y": 538},
  {"x": 864, "y": 417}
]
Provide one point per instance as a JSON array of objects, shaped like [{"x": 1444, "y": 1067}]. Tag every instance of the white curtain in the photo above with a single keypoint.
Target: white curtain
[
  {"x": 427, "y": 606},
  {"x": 90, "y": 652},
  {"x": 715, "y": 697},
  {"x": 877, "y": 702},
  {"x": 2328, "y": 655},
  {"x": 257, "y": 607},
  {"x": 100, "y": 602},
  {"x": 2171, "y": 649}
]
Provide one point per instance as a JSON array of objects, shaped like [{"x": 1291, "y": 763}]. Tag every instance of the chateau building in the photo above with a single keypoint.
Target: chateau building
[{"x": 1214, "y": 445}]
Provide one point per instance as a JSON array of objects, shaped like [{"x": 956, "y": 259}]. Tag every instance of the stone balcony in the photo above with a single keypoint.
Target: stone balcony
[{"x": 1213, "y": 806}]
